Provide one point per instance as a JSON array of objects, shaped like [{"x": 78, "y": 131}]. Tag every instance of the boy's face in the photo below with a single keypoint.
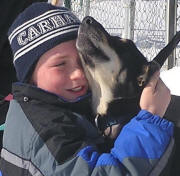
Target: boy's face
[{"x": 59, "y": 71}]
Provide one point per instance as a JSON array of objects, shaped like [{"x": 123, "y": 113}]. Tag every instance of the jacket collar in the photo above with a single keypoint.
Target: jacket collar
[{"x": 21, "y": 90}]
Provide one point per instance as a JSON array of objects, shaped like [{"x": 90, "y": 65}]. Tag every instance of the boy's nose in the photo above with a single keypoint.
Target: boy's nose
[{"x": 77, "y": 73}]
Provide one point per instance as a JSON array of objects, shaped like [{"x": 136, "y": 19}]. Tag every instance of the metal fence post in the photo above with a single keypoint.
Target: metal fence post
[
  {"x": 129, "y": 6},
  {"x": 87, "y": 7},
  {"x": 67, "y": 3},
  {"x": 171, "y": 27},
  {"x": 81, "y": 3}
]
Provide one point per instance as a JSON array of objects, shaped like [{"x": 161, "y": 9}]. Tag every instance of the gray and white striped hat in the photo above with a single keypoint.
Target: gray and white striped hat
[{"x": 37, "y": 29}]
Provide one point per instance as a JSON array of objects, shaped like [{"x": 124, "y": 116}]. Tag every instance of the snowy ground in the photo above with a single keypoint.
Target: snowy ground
[{"x": 171, "y": 78}]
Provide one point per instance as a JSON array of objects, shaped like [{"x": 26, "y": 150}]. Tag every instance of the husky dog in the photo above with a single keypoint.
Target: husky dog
[{"x": 116, "y": 70}]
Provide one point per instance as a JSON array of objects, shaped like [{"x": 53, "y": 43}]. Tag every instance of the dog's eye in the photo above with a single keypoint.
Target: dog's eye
[{"x": 99, "y": 55}]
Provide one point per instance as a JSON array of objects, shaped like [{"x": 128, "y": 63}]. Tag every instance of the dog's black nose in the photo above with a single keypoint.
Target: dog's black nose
[{"x": 88, "y": 20}]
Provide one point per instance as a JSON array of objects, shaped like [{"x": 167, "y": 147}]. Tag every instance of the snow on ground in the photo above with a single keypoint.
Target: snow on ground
[{"x": 171, "y": 78}]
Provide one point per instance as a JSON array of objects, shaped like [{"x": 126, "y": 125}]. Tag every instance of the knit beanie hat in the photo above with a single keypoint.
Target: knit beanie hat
[{"x": 37, "y": 29}]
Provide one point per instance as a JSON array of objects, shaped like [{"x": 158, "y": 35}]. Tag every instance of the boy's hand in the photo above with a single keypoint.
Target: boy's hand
[{"x": 155, "y": 97}]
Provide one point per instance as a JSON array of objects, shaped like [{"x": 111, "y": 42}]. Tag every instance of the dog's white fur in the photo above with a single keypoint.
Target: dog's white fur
[{"x": 102, "y": 85}]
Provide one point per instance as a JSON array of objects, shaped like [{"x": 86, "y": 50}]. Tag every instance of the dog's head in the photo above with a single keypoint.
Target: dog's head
[{"x": 114, "y": 67}]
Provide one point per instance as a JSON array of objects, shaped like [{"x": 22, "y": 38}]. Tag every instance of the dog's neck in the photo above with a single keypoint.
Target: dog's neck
[
  {"x": 101, "y": 92},
  {"x": 104, "y": 100},
  {"x": 101, "y": 96}
]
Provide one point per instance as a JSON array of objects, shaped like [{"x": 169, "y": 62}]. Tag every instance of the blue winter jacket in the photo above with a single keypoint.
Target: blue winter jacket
[{"x": 45, "y": 136}]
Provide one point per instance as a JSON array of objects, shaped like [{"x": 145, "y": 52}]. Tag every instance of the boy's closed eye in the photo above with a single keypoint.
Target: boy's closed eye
[
  {"x": 60, "y": 64},
  {"x": 57, "y": 62}
]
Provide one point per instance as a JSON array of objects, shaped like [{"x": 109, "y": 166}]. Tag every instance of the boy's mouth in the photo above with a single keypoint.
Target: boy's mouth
[{"x": 77, "y": 89}]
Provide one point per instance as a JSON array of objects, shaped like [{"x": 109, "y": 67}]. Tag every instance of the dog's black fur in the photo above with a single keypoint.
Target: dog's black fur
[
  {"x": 116, "y": 70},
  {"x": 117, "y": 73}
]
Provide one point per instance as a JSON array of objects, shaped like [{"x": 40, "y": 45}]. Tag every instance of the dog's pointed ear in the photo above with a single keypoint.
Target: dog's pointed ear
[
  {"x": 143, "y": 77},
  {"x": 147, "y": 71}
]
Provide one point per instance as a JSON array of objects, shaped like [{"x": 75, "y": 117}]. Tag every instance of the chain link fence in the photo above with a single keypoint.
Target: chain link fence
[
  {"x": 178, "y": 29},
  {"x": 149, "y": 29},
  {"x": 143, "y": 21},
  {"x": 108, "y": 12}
]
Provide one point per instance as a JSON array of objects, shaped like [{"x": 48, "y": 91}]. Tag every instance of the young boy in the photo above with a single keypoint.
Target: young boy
[{"x": 50, "y": 128}]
